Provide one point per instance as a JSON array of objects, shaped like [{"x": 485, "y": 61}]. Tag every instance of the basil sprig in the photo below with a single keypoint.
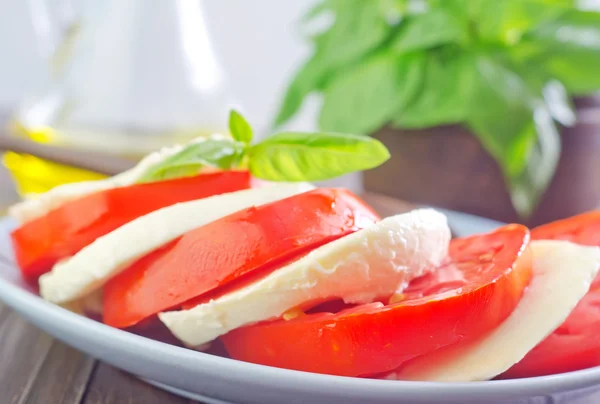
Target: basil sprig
[{"x": 285, "y": 156}]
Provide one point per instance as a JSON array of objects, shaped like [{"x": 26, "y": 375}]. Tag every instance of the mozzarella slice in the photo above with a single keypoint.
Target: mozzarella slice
[
  {"x": 44, "y": 203},
  {"x": 373, "y": 262},
  {"x": 108, "y": 255},
  {"x": 562, "y": 275}
]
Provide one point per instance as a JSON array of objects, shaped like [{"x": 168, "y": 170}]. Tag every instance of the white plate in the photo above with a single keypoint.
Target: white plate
[{"x": 217, "y": 380}]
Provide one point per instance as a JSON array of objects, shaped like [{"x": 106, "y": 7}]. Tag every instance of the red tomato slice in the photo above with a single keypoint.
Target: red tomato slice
[
  {"x": 61, "y": 233},
  {"x": 464, "y": 298},
  {"x": 576, "y": 343},
  {"x": 224, "y": 250}
]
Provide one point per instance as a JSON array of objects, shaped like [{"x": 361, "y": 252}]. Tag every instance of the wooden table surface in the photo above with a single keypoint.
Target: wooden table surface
[{"x": 37, "y": 369}]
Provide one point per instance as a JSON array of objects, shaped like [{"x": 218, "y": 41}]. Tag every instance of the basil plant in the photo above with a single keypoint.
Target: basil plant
[{"x": 505, "y": 69}]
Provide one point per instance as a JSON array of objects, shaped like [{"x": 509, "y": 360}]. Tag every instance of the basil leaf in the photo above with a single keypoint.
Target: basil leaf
[
  {"x": 240, "y": 128},
  {"x": 364, "y": 98},
  {"x": 306, "y": 80},
  {"x": 577, "y": 70},
  {"x": 446, "y": 94},
  {"x": 508, "y": 21},
  {"x": 572, "y": 45},
  {"x": 292, "y": 156},
  {"x": 553, "y": 92},
  {"x": 435, "y": 28},
  {"x": 515, "y": 128},
  {"x": 359, "y": 27},
  {"x": 470, "y": 9},
  {"x": 217, "y": 153},
  {"x": 501, "y": 112},
  {"x": 543, "y": 152},
  {"x": 573, "y": 28}
]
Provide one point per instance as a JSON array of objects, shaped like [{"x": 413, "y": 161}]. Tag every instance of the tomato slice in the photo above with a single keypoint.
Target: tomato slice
[
  {"x": 61, "y": 233},
  {"x": 466, "y": 297},
  {"x": 576, "y": 343},
  {"x": 226, "y": 249}
]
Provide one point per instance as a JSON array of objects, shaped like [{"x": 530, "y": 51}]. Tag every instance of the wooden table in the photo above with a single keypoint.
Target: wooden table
[{"x": 37, "y": 369}]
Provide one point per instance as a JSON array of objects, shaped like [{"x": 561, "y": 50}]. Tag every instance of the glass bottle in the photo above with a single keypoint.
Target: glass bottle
[{"x": 130, "y": 76}]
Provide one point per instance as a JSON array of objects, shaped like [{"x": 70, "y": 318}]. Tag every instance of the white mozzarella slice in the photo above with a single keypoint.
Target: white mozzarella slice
[
  {"x": 373, "y": 262},
  {"x": 33, "y": 208},
  {"x": 562, "y": 275},
  {"x": 108, "y": 255}
]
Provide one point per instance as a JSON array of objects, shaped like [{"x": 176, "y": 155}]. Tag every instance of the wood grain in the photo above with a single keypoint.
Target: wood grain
[
  {"x": 63, "y": 377},
  {"x": 35, "y": 369},
  {"x": 111, "y": 386},
  {"x": 23, "y": 349}
]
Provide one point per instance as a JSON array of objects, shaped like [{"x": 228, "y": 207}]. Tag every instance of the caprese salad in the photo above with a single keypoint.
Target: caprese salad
[{"x": 225, "y": 242}]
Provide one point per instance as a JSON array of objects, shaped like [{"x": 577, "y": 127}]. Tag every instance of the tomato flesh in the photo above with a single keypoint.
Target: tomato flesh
[
  {"x": 576, "y": 343},
  {"x": 227, "y": 249},
  {"x": 61, "y": 233},
  {"x": 466, "y": 297}
]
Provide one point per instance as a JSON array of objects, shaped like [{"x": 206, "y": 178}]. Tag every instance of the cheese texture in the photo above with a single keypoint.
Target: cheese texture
[
  {"x": 374, "y": 262},
  {"x": 562, "y": 275},
  {"x": 108, "y": 255}
]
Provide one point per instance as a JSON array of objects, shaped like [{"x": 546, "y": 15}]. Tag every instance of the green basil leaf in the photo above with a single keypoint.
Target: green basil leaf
[
  {"x": 240, "y": 128},
  {"x": 359, "y": 27},
  {"x": 501, "y": 112},
  {"x": 471, "y": 9},
  {"x": 364, "y": 98},
  {"x": 306, "y": 80},
  {"x": 577, "y": 70},
  {"x": 434, "y": 28},
  {"x": 542, "y": 155},
  {"x": 572, "y": 50},
  {"x": 572, "y": 29},
  {"x": 542, "y": 83},
  {"x": 292, "y": 156},
  {"x": 508, "y": 21},
  {"x": 446, "y": 94},
  {"x": 515, "y": 128},
  {"x": 217, "y": 153}
]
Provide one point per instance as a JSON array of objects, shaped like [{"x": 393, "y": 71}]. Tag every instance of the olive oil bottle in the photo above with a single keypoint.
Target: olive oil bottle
[
  {"x": 33, "y": 175},
  {"x": 137, "y": 76}
]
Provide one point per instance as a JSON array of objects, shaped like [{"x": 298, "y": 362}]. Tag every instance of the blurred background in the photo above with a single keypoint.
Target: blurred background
[
  {"x": 257, "y": 45},
  {"x": 253, "y": 46},
  {"x": 487, "y": 107}
]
